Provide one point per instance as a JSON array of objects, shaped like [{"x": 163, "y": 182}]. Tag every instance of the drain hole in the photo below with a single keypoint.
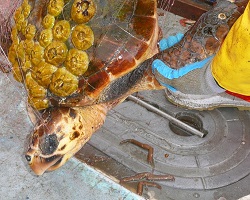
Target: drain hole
[{"x": 189, "y": 119}]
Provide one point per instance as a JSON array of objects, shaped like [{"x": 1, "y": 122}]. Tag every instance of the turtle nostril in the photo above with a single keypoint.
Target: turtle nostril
[{"x": 28, "y": 158}]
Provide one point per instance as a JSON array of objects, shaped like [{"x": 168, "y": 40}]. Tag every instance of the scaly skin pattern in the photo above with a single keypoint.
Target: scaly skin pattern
[
  {"x": 51, "y": 57},
  {"x": 205, "y": 36},
  {"x": 61, "y": 132}
]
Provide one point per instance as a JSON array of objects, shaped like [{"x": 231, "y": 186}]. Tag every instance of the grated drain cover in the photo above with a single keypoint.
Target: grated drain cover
[
  {"x": 190, "y": 119},
  {"x": 219, "y": 159}
]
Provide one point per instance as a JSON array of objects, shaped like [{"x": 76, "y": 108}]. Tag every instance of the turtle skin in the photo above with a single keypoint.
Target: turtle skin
[
  {"x": 119, "y": 64},
  {"x": 206, "y": 35},
  {"x": 68, "y": 53}
]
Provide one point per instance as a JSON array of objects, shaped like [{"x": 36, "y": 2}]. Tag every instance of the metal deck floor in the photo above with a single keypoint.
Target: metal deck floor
[{"x": 213, "y": 167}]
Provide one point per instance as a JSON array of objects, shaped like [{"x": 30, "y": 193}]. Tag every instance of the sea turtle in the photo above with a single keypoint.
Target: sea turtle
[{"x": 80, "y": 58}]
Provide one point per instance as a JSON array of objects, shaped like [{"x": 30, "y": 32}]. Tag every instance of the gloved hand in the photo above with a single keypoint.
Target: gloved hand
[
  {"x": 189, "y": 79},
  {"x": 166, "y": 43}
]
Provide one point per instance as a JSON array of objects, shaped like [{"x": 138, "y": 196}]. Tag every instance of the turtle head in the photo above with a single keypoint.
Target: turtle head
[{"x": 56, "y": 138}]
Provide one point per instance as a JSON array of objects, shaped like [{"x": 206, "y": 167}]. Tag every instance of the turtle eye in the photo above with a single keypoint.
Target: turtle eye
[
  {"x": 48, "y": 144},
  {"x": 28, "y": 158}
]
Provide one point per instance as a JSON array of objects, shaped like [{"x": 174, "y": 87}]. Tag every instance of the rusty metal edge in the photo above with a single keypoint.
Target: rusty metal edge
[{"x": 189, "y": 9}]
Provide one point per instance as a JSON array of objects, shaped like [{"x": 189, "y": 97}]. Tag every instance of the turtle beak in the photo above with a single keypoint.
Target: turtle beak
[{"x": 40, "y": 164}]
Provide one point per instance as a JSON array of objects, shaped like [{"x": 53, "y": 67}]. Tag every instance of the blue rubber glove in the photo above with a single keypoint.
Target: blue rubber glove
[
  {"x": 169, "y": 73},
  {"x": 166, "y": 43}
]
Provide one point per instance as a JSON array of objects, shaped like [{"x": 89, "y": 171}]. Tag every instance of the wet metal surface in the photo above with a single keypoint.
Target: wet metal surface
[
  {"x": 217, "y": 163},
  {"x": 193, "y": 8},
  {"x": 173, "y": 120}
]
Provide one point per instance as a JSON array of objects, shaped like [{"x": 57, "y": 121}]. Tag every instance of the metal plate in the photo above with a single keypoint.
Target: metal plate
[
  {"x": 193, "y": 8},
  {"x": 218, "y": 160}
]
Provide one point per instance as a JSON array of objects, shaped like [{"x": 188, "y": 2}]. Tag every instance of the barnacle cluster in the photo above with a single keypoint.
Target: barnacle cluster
[{"x": 50, "y": 59}]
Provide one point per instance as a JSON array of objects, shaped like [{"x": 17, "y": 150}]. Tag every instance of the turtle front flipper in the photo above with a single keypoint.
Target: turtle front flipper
[
  {"x": 206, "y": 36},
  {"x": 60, "y": 134}
]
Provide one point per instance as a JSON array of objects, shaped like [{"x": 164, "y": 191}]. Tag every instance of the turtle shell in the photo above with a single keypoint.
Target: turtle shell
[{"x": 71, "y": 50}]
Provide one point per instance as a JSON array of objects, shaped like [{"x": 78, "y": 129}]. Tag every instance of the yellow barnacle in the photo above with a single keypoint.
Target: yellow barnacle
[
  {"x": 18, "y": 15},
  {"x": 30, "y": 32},
  {"x": 37, "y": 93},
  {"x": 25, "y": 2},
  {"x": 36, "y": 54},
  {"x": 77, "y": 62},
  {"x": 12, "y": 53},
  {"x": 17, "y": 74},
  {"x": 14, "y": 35},
  {"x": 21, "y": 23},
  {"x": 19, "y": 60},
  {"x": 63, "y": 83},
  {"x": 26, "y": 65},
  {"x": 82, "y": 37},
  {"x": 26, "y": 8},
  {"x": 48, "y": 21},
  {"x": 34, "y": 89},
  {"x": 20, "y": 51},
  {"x": 38, "y": 103},
  {"x": 14, "y": 31},
  {"x": 55, "y": 7},
  {"x": 61, "y": 30},
  {"x": 43, "y": 72},
  {"x": 55, "y": 53},
  {"x": 28, "y": 46},
  {"x": 83, "y": 11},
  {"x": 24, "y": 26},
  {"x": 18, "y": 55},
  {"x": 45, "y": 37}
]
